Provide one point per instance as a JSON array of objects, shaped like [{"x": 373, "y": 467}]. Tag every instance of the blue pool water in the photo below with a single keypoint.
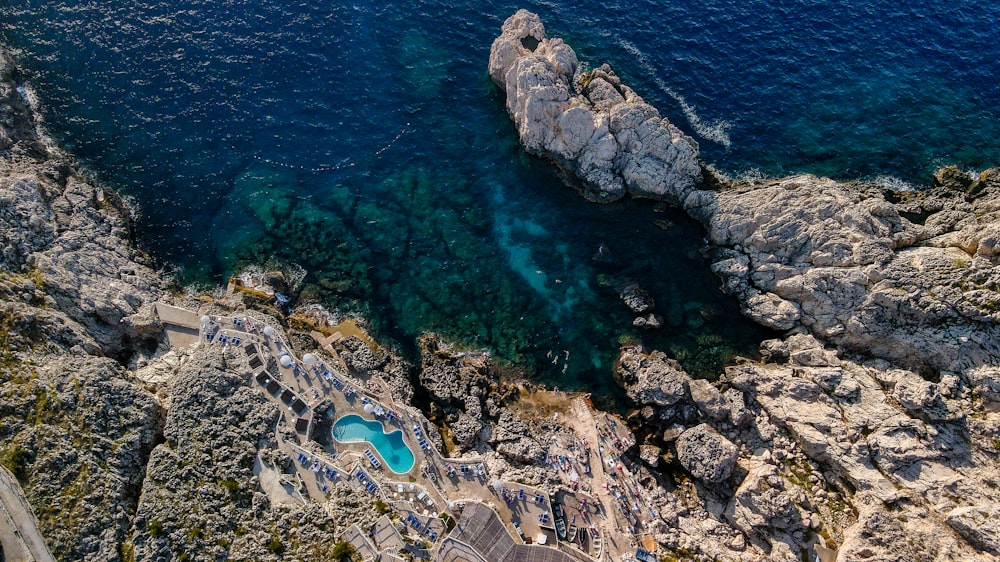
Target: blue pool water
[
  {"x": 249, "y": 132},
  {"x": 352, "y": 428}
]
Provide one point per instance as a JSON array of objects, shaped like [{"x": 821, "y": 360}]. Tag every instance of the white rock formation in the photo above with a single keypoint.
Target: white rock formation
[
  {"x": 604, "y": 138},
  {"x": 706, "y": 454}
]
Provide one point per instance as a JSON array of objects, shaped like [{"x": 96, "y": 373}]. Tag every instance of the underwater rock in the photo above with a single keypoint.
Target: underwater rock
[
  {"x": 650, "y": 321},
  {"x": 636, "y": 298},
  {"x": 603, "y": 255},
  {"x": 604, "y": 138}
]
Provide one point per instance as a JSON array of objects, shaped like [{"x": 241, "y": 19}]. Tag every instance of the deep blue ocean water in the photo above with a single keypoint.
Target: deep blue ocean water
[{"x": 365, "y": 142}]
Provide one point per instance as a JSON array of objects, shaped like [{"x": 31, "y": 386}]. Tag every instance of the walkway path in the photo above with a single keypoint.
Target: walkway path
[
  {"x": 19, "y": 532},
  {"x": 434, "y": 485}
]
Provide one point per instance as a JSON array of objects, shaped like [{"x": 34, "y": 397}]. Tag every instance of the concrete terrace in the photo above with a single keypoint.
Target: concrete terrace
[{"x": 491, "y": 515}]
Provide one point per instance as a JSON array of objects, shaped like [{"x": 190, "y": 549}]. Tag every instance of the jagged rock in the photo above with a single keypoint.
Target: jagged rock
[
  {"x": 980, "y": 524},
  {"x": 212, "y": 431},
  {"x": 672, "y": 433},
  {"x": 86, "y": 429},
  {"x": 708, "y": 399},
  {"x": 604, "y": 138},
  {"x": 805, "y": 350},
  {"x": 847, "y": 263},
  {"x": 465, "y": 428},
  {"x": 762, "y": 504},
  {"x": 953, "y": 178},
  {"x": 359, "y": 356},
  {"x": 985, "y": 381},
  {"x": 652, "y": 379},
  {"x": 883, "y": 536},
  {"x": 458, "y": 382},
  {"x": 773, "y": 311},
  {"x": 774, "y": 351},
  {"x": 814, "y": 418},
  {"x": 920, "y": 397},
  {"x": 650, "y": 454},
  {"x": 636, "y": 298},
  {"x": 706, "y": 454},
  {"x": 71, "y": 291},
  {"x": 396, "y": 373},
  {"x": 515, "y": 440},
  {"x": 649, "y": 322},
  {"x": 739, "y": 414},
  {"x": 19, "y": 136}
]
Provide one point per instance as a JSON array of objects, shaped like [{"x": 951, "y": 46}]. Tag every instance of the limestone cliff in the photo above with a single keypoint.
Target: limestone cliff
[{"x": 75, "y": 303}]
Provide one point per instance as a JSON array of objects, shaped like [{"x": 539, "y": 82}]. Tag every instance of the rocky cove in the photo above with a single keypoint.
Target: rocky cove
[{"x": 868, "y": 433}]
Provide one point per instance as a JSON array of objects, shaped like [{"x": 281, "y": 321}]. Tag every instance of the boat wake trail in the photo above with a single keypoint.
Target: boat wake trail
[{"x": 716, "y": 130}]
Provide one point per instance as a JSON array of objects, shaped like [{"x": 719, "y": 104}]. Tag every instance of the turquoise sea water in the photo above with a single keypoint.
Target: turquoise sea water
[
  {"x": 352, "y": 428},
  {"x": 366, "y": 143}
]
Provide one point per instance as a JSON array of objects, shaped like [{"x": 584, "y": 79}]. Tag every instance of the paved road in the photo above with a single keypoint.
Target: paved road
[{"x": 16, "y": 519}]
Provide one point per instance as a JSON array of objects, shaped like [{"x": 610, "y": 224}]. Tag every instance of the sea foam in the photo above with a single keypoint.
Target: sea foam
[{"x": 716, "y": 130}]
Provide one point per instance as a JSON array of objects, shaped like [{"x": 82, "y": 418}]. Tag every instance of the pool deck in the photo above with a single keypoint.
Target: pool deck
[
  {"x": 374, "y": 450},
  {"x": 435, "y": 485}
]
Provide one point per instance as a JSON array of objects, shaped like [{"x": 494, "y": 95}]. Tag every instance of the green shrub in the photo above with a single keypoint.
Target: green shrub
[
  {"x": 343, "y": 550},
  {"x": 17, "y": 459},
  {"x": 275, "y": 545}
]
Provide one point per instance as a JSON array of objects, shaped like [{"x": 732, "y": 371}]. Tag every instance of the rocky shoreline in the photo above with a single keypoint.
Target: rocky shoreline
[
  {"x": 885, "y": 384},
  {"x": 869, "y": 433}
]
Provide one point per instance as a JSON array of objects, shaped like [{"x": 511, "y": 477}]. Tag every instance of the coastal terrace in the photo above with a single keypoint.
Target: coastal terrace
[{"x": 573, "y": 524}]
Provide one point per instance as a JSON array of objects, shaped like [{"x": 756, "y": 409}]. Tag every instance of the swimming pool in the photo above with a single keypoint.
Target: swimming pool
[{"x": 352, "y": 428}]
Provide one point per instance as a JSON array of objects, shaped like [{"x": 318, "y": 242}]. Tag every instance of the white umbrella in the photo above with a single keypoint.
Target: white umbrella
[
  {"x": 368, "y": 408},
  {"x": 309, "y": 359},
  {"x": 285, "y": 360},
  {"x": 269, "y": 331},
  {"x": 206, "y": 319}
]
